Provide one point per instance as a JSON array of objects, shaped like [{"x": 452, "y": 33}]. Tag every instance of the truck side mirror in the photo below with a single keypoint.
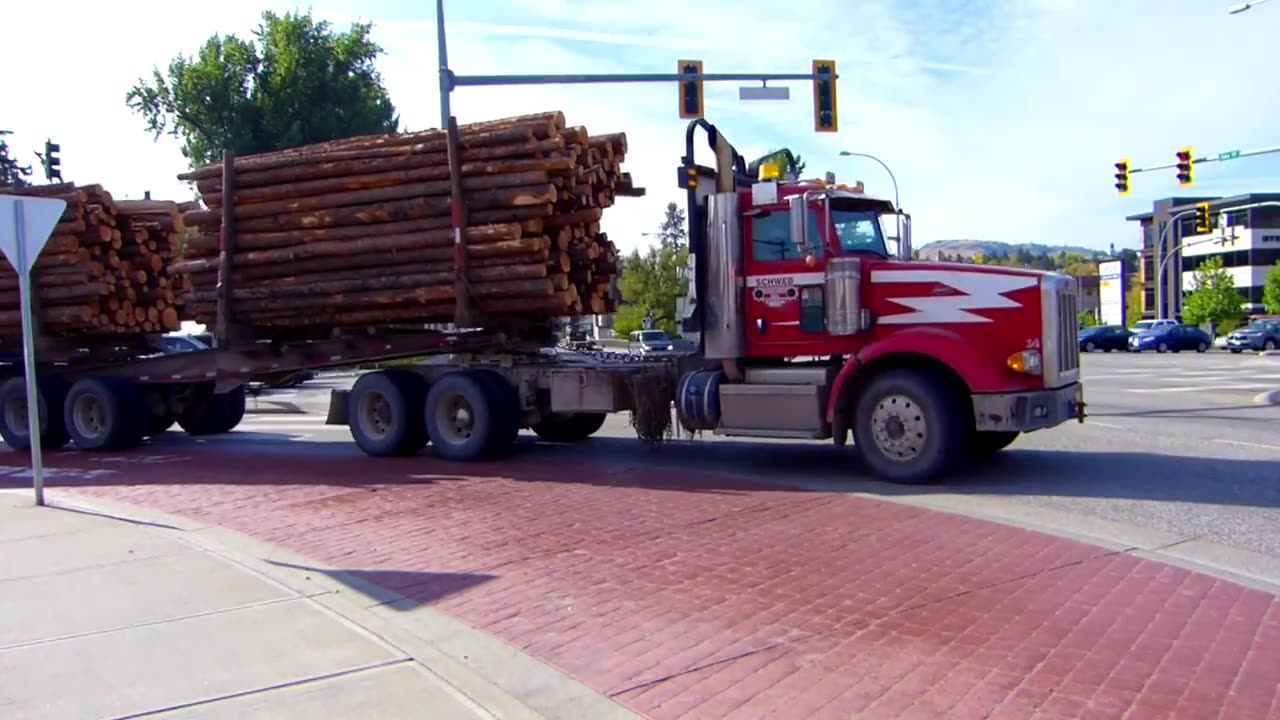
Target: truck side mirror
[
  {"x": 798, "y": 209},
  {"x": 904, "y": 243}
]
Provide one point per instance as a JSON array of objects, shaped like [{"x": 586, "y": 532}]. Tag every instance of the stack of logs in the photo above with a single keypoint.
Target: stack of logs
[
  {"x": 105, "y": 269},
  {"x": 358, "y": 231}
]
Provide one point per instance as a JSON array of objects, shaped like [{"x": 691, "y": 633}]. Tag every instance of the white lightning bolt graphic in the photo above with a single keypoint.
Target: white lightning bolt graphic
[{"x": 982, "y": 291}]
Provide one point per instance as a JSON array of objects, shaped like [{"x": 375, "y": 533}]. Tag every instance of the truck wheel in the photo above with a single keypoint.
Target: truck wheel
[
  {"x": 106, "y": 413},
  {"x": 507, "y": 414},
  {"x": 989, "y": 442},
  {"x": 569, "y": 427},
  {"x": 214, "y": 413},
  {"x": 462, "y": 417},
  {"x": 51, "y": 392},
  {"x": 907, "y": 426},
  {"x": 384, "y": 412}
]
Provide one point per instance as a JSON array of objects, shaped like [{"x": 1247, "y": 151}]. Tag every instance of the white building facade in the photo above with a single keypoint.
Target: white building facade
[{"x": 1246, "y": 240}]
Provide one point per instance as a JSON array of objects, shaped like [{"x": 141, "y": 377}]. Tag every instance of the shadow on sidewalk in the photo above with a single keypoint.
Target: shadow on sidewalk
[{"x": 394, "y": 587}]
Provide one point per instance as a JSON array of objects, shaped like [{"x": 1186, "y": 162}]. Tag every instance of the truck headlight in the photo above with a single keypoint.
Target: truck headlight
[{"x": 1027, "y": 361}]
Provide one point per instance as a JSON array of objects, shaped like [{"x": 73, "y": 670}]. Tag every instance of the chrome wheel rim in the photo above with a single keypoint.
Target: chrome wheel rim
[{"x": 899, "y": 428}]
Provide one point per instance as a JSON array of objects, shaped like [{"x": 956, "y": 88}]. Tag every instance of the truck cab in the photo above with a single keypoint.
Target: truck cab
[{"x": 814, "y": 322}]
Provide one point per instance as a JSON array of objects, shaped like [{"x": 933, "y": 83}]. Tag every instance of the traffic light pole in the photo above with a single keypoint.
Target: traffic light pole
[
  {"x": 1165, "y": 258},
  {"x": 449, "y": 80},
  {"x": 1220, "y": 157}
]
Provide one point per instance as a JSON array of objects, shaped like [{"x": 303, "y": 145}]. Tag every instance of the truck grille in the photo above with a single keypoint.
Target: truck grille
[{"x": 1067, "y": 333}]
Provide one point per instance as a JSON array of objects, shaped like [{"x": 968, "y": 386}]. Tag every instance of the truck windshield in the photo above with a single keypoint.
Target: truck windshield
[{"x": 859, "y": 231}]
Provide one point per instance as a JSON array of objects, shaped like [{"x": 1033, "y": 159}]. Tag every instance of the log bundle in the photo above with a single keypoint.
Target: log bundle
[
  {"x": 358, "y": 232},
  {"x": 105, "y": 269}
]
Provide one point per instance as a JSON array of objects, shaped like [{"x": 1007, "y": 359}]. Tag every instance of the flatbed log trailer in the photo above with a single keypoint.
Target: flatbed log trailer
[{"x": 924, "y": 364}]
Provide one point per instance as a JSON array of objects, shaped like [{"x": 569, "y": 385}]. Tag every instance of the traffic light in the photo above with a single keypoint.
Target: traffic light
[
  {"x": 1122, "y": 177},
  {"x": 690, "y": 90},
  {"x": 1203, "y": 225},
  {"x": 1186, "y": 167},
  {"x": 52, "y": 163},
  {"x": 824, "y": 96}
]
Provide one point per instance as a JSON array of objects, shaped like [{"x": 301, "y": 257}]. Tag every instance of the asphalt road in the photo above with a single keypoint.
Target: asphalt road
[{"x": 1174, "y": 443}]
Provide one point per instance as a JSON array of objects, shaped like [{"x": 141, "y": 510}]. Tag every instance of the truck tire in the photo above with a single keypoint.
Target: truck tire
[
  {"x": 106, "y": 413},
  {"x": 463, "y": 416},
  {"x": 215, "y": 413},
  {"x": 506, "y": 405},
  {"x": 989, "y": 442},
  {"x": 384, "y": 412},
  {"x": 908, "y": 427},
  {"x": 51, "y": 392},
  {"x": 569, "y": 427}
]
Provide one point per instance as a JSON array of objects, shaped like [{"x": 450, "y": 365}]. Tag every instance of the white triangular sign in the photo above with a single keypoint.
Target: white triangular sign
[{"x": 40, "y": 216}]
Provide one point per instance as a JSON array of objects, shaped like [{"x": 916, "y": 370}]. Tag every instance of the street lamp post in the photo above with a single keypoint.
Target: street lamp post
[{"x": 897, "y": 204}]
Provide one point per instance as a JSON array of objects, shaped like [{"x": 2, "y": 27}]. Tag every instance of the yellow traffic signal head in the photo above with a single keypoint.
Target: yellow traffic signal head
[
  {"x": 1122, "y": 177},
  {"x": 825, "y": 118},
  {"x": 1203, "y": 223},
  {"x": 690, "y": 90},
  {"x": 1186, "y": 167}
]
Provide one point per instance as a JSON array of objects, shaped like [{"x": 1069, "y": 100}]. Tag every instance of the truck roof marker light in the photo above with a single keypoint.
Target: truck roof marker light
[
  {"x": 770, "y": 170},
  {"x": 1026, "y": 361}
]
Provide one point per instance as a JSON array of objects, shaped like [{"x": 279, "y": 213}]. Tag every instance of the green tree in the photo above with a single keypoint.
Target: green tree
[
  {"x": 797, "y": 167},
  {"x": 651, "y": 282},
  {"x": 302, "y": 83},
  {"x": 12, "y": 173},
  {"x": 1271, "y": 289},
  {"x": 1214, "y": 298}
]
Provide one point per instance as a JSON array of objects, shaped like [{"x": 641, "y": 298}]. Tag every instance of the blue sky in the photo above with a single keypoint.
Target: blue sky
[{"x": 1000, "y": 118}]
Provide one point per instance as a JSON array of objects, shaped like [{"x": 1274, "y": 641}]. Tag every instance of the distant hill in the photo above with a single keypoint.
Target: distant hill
[{"x": 991, "y": 248}]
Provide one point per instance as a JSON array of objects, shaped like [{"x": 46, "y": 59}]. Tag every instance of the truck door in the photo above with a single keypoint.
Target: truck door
[{"x": 780, "y": 284}]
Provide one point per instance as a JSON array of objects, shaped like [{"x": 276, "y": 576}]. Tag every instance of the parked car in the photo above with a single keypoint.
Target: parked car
[
  {"x": 1105, "y": 338},
  {"x": 1142, "y": 325},
  {"x": 649, "y": 342},
  {"x": 1258, "y": 335},
  {"x": 1171, "y": 338}
]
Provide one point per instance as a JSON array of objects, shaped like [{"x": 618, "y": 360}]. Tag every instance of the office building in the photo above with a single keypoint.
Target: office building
[{"x": 1247, "y": 239}]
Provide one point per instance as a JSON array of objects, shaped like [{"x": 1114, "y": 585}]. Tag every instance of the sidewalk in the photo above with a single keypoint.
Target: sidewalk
[{"x": 110, "y": 614}]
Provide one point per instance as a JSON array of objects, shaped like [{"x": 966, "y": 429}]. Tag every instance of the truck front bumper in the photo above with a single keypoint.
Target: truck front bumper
[{"x": 1027, "y": 411}]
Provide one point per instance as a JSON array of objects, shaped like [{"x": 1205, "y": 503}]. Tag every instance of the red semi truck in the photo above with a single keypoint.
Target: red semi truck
[{"x": 809, "y": 326}]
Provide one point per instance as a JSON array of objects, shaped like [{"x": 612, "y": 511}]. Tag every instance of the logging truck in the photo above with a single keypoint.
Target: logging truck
[{"x": 813, "y": 322}]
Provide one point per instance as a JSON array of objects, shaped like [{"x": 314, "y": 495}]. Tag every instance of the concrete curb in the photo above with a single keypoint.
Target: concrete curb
[{"x": 507, "y": 683}]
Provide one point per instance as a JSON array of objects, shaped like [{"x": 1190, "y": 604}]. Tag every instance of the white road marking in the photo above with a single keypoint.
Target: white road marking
[
  {"x": 1247, "y": 444},
  {"x": 1200, "y": 388},
  {"x": 1105, "y": 425}
]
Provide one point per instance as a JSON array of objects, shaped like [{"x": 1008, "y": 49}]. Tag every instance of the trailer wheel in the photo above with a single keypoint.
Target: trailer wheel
[
  {"x": 507, "y": 414},
  {"x": 214, "y": 413},
  {"x": 461, "y": 415},
  {"x": 987, "y": 443},
  {"x": 51, "y": 392},
  {"x": 106, "y": 413},
  {"x": 569, "y": 427},
  {"x": 908, "y": 427},
  {"x": 384, "y": 412}
]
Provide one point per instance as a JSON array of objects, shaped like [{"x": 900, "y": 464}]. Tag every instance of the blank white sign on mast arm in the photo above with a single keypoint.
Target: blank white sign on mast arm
[{"x": 25, "y": 226}]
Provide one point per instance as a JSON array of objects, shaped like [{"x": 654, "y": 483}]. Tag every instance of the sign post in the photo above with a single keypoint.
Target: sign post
[{"x": 25, "y": 225}]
